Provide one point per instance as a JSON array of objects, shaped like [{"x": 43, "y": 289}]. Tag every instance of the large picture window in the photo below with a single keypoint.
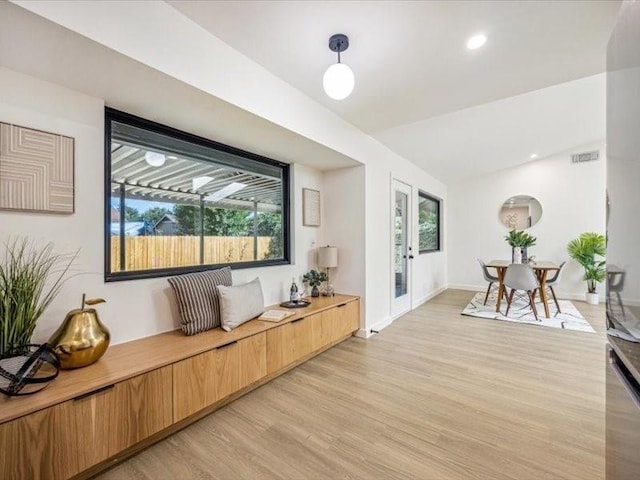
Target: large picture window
[
  {"x": 177, "y": 203},
  {"x": 428, "y": 223}
]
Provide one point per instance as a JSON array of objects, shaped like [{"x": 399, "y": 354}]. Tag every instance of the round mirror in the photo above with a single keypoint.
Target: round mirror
[{"x": 520, "y": 212}]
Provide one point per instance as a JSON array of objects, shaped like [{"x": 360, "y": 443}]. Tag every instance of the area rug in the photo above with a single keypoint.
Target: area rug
[{"x": 520, "y": 312}]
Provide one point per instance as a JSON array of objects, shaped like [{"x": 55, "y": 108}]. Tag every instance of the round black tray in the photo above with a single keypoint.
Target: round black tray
[{"x": 298, "y": 304}]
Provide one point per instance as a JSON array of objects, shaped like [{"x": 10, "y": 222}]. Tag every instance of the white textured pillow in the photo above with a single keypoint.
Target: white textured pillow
[{"x": 240, "y": 303}]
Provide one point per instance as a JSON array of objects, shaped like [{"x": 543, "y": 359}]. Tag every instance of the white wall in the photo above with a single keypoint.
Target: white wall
[
  {"x": 344, "y": 221},
  {"x": 134, "y": 308},
  {"x": 573, "y": 201}
]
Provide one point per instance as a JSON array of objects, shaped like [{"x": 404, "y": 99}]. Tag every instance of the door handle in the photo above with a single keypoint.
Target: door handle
[
  {"x": 94, "y": 392},
  {"x": 226, "y": 345},
  {"x": 410, "y": 257}
]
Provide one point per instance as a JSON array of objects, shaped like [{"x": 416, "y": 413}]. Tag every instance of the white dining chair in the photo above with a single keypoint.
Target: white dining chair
[
  {"x": 554, "y": 282},
  {"x": 491, "y": 279},
  {"x": 521, "y": 277}
]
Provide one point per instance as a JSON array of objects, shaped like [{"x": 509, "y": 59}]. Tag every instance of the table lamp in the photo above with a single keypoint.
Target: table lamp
[{"x": 328, "y": 258}]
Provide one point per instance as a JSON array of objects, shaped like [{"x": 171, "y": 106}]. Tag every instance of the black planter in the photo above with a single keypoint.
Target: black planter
[{"x": 315, "y": 292}]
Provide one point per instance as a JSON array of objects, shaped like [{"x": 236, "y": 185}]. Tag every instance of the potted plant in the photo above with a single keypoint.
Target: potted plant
[
  {"x": 30, "y": 278},
  {"x": 519, "y": 242},
  {"x": 314, "y": 278},
  {"x": 584, "y": 250}
]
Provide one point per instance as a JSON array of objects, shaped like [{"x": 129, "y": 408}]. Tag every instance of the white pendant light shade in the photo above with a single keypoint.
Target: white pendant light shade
[
  {"x": 338, "y": 81},
  {"x": 155, "y": 159}
]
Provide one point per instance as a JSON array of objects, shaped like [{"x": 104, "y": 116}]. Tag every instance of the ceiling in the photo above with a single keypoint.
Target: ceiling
[
  {"x": 533, "y": 88},
  {"x": 409, "y": 57},
  {"x": 34, "y": 46},
  {"x": 505, "y": 133}
]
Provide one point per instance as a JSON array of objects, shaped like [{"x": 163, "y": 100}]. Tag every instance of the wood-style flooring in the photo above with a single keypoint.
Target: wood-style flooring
[{"x": 435, "y": 395}]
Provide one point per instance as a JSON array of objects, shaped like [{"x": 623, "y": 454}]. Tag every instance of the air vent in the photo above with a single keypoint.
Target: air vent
[{"x": 585, "y": 157}]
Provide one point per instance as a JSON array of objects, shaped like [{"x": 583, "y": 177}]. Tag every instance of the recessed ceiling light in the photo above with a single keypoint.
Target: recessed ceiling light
[
  {"x": 533, "y": 155},
  {"x": 476, "y": 41}
]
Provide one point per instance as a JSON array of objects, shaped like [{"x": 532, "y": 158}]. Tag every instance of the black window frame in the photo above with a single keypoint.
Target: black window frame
[
  {"x": 438, "y": 202},
  {"x": 111, "y": 115}
]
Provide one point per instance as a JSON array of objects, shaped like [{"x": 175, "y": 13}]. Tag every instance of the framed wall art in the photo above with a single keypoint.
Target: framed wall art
[
  {"x": 310, "y": 207},
  {"x": 36, "y": 170}
]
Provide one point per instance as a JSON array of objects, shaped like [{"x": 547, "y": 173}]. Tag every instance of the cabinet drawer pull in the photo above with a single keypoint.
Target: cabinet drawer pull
[
  {"x": 342, "y": 305},
  {"x": 94, "y": 392},
  {"x": 226, "y": 345},
  {"x": 297, "y": 320}
]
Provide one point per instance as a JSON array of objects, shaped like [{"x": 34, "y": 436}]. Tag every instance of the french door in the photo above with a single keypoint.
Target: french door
[{"x": 401, "y": 250}]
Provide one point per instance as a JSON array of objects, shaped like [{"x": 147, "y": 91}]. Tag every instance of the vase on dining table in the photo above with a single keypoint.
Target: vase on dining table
[{"x": 516, "y": 255}]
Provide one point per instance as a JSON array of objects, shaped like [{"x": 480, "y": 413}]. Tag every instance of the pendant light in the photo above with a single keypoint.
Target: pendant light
[
  {"x": 155, "y": 159},
  {"x": 338, "y": 80}
]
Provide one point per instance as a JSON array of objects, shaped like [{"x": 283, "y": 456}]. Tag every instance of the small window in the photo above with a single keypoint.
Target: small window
[
  {"x": 428, "y": 223},
  {"x": 177, "y": 203}
]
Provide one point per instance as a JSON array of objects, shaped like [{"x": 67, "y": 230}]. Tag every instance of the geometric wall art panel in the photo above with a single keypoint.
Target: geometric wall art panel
[{"x": 36, "y": 170}]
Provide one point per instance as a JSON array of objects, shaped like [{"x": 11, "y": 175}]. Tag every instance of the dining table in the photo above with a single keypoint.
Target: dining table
[{"x": 540, "y": 268}]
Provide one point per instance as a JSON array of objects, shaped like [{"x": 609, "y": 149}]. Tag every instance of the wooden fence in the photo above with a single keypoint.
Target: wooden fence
[{"x": 149, "y": 252}]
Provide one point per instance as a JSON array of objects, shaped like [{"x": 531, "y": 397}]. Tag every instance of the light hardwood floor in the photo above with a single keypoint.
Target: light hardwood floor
[{"x": 434, "y": 396}]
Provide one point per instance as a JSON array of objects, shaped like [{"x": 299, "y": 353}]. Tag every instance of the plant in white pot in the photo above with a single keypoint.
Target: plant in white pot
[
  {"x": 584, "y": 250},
  {"x": 30, "y": 278}
]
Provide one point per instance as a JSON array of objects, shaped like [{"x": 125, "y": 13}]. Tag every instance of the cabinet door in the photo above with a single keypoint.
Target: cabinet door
[
  {"x": 227, "y": 369},
  {"x": 40, "y": 446},
  {"x": 139, "y": 407},
  {"x": 288, "y": 343},
  {"x": 194, "y": 384},
  {"x": 202, "y": 380},
  {"x": 253, "y": 359},
  {"x": 323, "y": 326},
  {"x": 63, "y": 440},
  {"x": 347, "y": 318}
]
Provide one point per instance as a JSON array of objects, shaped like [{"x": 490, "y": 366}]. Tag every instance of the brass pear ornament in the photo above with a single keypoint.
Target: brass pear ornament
[{"x": 81, "y": 339}]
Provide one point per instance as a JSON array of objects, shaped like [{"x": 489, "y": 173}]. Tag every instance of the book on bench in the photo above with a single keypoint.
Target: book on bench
[{"x": 275, "y": 315}]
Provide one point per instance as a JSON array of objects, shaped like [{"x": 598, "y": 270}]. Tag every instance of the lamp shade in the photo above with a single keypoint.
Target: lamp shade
[
  {"x": 338, "y": 81},
  {"x": 328, "y": 257}
]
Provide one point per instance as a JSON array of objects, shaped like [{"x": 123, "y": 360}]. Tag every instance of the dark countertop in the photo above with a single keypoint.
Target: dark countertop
[{"x": 629, "y": 353}]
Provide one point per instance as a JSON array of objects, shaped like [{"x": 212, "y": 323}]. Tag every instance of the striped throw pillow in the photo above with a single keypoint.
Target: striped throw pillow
[{"x": 198, "y": 299}]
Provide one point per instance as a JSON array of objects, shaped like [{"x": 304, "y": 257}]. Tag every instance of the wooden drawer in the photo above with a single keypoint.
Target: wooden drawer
[
  {"x": 289, "y": 342},
  {"x": 204, "y": 379},
  {"x": 63, "y": 440}
]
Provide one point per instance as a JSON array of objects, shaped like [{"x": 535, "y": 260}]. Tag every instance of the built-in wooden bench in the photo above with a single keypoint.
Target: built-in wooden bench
[{"x": 145, "y": 390}]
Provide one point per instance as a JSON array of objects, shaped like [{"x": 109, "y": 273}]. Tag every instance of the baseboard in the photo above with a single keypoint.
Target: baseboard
[
  {"x": 471, "y": 288},
  {"x": 362, "y": 333},
  {"x": 376, "y": 327},
  {"x": 428, "y": 297}
]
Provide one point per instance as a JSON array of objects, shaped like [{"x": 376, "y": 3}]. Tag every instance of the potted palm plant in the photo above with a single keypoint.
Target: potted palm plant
[
  {"x": 30, "y": 278},
  {"x": 584, "y": 250},
  {"x": 519, "y": 242}
]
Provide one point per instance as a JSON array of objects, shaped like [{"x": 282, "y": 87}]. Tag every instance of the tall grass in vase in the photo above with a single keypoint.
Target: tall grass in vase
[{"x": 30, "y": 278}]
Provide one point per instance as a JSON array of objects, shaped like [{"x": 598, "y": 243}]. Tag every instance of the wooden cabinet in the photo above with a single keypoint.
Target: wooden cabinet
[
  {"x": 202, "y": 380},
  {"x": 63, "y": 432},
  {"x": 61, "y": 441}
]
